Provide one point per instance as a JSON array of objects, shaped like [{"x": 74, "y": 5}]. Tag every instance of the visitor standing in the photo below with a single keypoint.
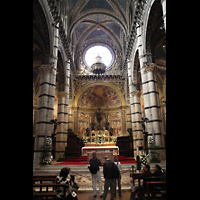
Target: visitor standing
[
  {"x": 109, "y": 180},
  {"x": 95, "y": 171},
  {"x": 119, "y": 178}
]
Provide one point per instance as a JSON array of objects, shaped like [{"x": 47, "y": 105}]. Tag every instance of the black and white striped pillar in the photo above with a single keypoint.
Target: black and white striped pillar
[
  {"x": 62, "y": 117},
  {"x": 45, "y": 109},
  {"x": 151, "y": 101},
  {"x": 136, "y": 114}
]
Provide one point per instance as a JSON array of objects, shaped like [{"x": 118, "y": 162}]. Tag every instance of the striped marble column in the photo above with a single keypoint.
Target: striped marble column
[
  {"x": 136, "y": 114},
  {"x": 62, "y": 128},
  {"x": 63, "y": 103},
  {"x": 136, "y": 121},
  {"x": 151, "y": 101},
  {"x": 45, "y": 109}
]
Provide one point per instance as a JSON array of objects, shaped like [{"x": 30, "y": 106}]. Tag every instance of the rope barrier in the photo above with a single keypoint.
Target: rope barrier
[
  {"x": 125, "y": 171},
  {"x": 79, "y": 174},
  {"x": 90, "y": 176}
]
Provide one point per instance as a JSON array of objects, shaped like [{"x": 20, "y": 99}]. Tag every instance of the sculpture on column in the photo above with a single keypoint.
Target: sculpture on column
[
  {"x": 55, "y": 123},
  {"x": 130, "y": 132},
  {"x": 144, "y": 120}
]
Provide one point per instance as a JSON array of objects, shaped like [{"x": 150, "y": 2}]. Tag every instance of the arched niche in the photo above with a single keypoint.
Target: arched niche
[{"x": 123, "y": 103}]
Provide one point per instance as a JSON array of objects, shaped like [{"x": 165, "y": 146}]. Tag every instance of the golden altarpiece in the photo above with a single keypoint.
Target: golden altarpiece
[{"x": 99, "y": 117}]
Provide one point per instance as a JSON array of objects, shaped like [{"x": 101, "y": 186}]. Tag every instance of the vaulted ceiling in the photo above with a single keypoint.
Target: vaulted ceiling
[
  {"x": 102, "y": 22},
  {"x": 110, "y": 23}
]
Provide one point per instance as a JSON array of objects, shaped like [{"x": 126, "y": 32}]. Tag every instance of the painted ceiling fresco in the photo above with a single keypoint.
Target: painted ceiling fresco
[{"x": 99, "y": 96}]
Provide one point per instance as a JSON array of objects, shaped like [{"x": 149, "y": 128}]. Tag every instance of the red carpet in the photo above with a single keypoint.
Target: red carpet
[{"x": 83, "y": 161}]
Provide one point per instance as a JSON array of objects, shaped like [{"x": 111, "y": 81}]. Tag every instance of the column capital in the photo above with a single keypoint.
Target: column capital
[
  {"x": 47, "y": 68},
  {"x": 62, "y": 94},
  {"x": 136, "y": 93},
  {"x": 147, "y": 67}
]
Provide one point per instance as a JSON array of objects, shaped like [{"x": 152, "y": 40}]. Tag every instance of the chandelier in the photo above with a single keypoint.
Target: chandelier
[{"x": 98, "y": 67}]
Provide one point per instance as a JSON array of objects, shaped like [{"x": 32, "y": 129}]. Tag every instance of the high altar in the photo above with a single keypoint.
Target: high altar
[
  {"x": 99, "y": 116},
  {"x": 102, "y": 138}
]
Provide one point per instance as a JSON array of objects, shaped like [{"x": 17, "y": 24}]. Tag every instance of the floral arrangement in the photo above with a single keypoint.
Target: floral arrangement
[
  {"x": 144, "y": 159},
  {"x": 47, "y": 157},
  {"x": 153, "y": 152}
]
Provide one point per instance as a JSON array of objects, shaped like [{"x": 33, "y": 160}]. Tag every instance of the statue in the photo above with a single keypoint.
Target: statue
[
  {"x": 100, "y": 121},
  {"x": 88, "y": 131},
  {"x": 130, "y": 132},
  {"x": 111, "y": 131},
  {"x": 144, "y": 120},
  {"x": 99, "y": 115},
  {"x": 107, "y": 125},
  {"x": 54, "y": 122}
]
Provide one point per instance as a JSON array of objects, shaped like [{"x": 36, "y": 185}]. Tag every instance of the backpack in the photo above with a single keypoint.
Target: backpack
[
  {"x": 115, "y": 171},
  {"x": 93, "y": 168}
]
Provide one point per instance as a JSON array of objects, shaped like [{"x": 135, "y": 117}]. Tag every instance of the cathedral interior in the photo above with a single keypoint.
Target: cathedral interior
[{"x": 99, "y": 73}]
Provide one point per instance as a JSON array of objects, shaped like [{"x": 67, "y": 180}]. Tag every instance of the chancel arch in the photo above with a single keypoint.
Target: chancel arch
[
  {"x": 123, "y": 103},
  {"x": 106, "y": 100}
]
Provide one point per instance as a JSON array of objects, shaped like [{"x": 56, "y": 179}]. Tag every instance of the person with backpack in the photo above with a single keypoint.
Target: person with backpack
[
  {"x": 111, "y": 172},
  {"x": 94, "y": 169},
  {"x": 119, "y": 178}
]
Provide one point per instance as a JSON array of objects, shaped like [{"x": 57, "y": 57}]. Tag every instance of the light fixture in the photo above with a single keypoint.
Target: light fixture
[{"x": 98, "y": 67}]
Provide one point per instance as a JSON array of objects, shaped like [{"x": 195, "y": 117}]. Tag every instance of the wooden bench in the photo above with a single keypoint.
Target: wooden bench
[
  {"x": 134, "y": 174},
  {"x": 47, "y": 193},
  {"x": 51, "y": 183},
  {"x": 163, "y": 194},
  {"x": 152, "y": 182},
  {"x": 43, "y": 179},
  {"x": 151, "y": 189},
  {"x": 45, "y": 175}
]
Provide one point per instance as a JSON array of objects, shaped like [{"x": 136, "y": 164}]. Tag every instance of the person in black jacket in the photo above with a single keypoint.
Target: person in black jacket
[
  {"x": 95, "y": 161},
  {"x": 146, "y": 173},
  {"x": 109, "y": 181},
  {"x": 157, "y": 171}
]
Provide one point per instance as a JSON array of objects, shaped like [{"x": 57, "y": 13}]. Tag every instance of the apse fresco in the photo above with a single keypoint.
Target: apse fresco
[{"x": 99, "y": 96}]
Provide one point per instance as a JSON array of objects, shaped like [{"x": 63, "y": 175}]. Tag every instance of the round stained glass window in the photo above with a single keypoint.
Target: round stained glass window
[{"x": 98, "y": 50}]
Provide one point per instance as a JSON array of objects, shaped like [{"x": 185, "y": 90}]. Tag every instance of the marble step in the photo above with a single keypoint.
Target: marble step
[{"x": 54, "y": 169}]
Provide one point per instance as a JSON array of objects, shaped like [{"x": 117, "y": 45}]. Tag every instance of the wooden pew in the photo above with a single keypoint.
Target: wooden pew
[
  {"x": 149, "y": 180},
  {"x": 45, "y": 175},
  {"x": 48, "y": 193},
  {"x": 163, "y": 194},
  {"x": 51, "y": 180},
  {"x": 43, "y": 179},
  {"x": 151, "y": 188}
]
